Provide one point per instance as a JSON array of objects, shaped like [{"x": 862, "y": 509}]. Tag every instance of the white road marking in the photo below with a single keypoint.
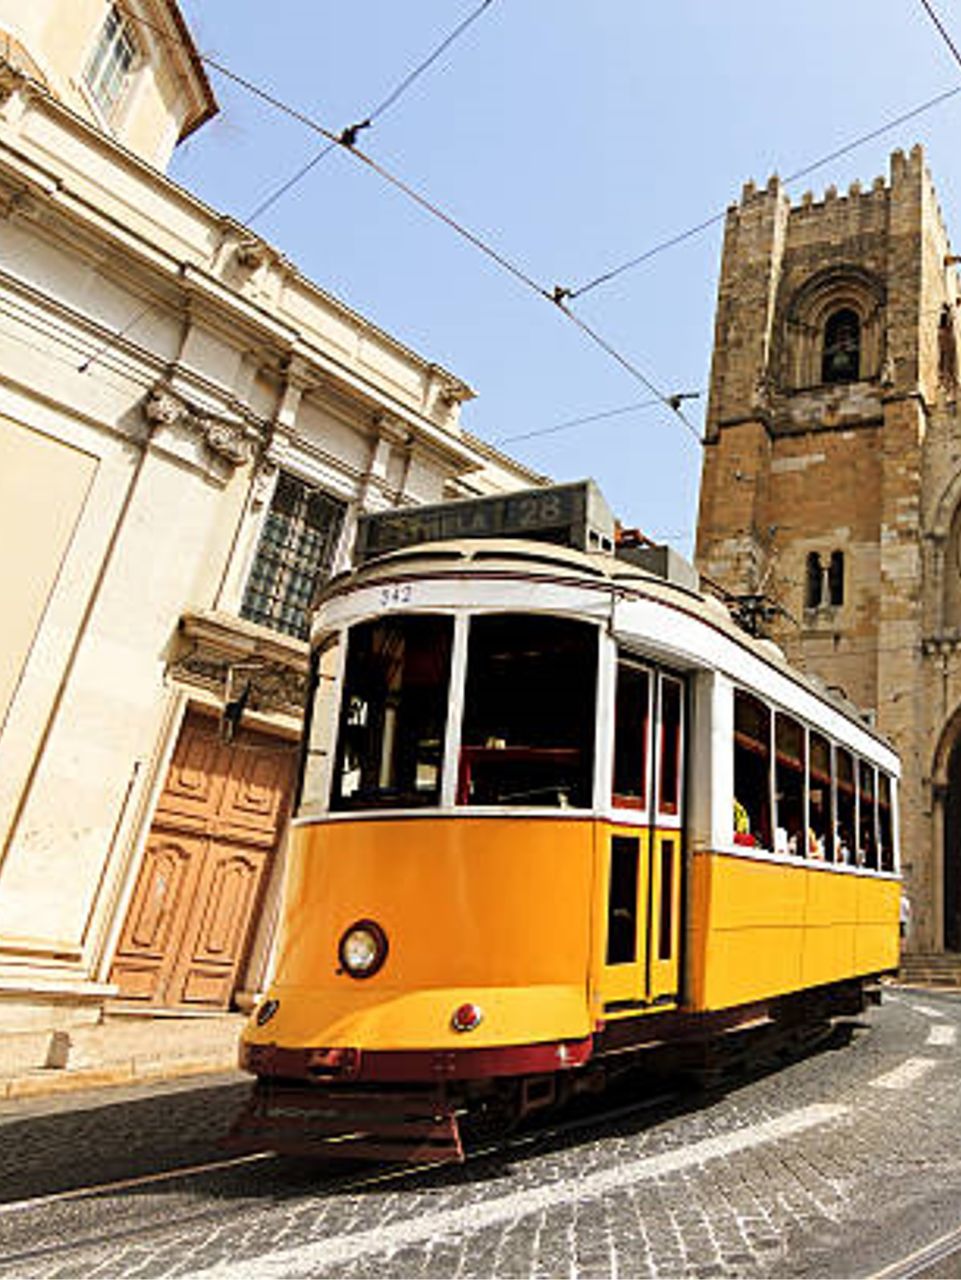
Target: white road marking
[
  {"x": 943, "y": 1033},
  {"x": 319, "y": 1257},
  {"x": 926, "y": 1010},
  {"x": 903, "y": 1076},
  {"x": 128, "y": 1184}
]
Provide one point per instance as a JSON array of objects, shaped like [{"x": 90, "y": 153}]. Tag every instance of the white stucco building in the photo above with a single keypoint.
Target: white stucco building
[{"x": 188, "y": 429}]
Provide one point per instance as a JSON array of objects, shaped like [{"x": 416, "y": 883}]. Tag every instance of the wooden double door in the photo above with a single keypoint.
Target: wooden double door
[{"x": 206, "y": 865}]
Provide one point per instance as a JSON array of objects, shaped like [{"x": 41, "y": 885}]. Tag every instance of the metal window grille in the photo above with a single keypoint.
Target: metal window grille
[
  {"x": 111, "y": 62},
  {"x": 296, "y": 552}
]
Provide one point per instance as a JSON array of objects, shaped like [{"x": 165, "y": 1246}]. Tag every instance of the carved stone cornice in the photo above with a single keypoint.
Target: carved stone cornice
[
  {"x": 943, "y": 645},
  {"x": 227, "y": 439},
  {"x": 12, "y": 79},
  {"x": 223, "y": 654}
]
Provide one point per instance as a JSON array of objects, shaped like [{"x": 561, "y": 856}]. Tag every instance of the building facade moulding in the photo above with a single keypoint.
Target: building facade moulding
[
  {"x": 940, "y": 526},
  {"x": 231, "y": 658},
  {"x": 946, "y": 741},
  {"x": 231, "y": 441},
  {"x": 14, "y": 79}
]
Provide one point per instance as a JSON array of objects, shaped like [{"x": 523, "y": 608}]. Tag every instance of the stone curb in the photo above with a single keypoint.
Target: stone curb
[{"x": 35, "y": 1084}]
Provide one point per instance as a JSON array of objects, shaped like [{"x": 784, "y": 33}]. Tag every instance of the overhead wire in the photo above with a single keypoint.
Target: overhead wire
[
  {"x": 348, "y": 143},
  {"x": 716, "y": 218},
  {"x": 942, "y": 30},
  {"x": 279, "y": 192},
  {"x": 578, "y": 422}
]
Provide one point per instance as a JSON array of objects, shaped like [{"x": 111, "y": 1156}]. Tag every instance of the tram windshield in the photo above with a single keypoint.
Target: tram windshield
[
  {"x": 393, "y": 713},
  {"x": 528, "y": 729}
]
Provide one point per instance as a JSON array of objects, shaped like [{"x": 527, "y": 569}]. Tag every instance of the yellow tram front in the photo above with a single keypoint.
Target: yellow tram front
[
  {"x": 520, "y": 843},
  {"x": 443, "y": 890}
]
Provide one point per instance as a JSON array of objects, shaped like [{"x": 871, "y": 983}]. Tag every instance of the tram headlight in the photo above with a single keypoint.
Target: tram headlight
[{"x": 363, "y": 949}]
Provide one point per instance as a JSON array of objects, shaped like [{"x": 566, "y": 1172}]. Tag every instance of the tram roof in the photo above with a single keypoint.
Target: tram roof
[{"x": 593, "y": 567}]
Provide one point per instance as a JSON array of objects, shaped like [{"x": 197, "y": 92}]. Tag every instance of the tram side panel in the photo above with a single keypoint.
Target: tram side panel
[
  {"x": 761, "y": 925},
  {"x": 765, "y": 929},
  {"x": 878, "y": 944},
  {"x": 831, "y": 942},
  {"x": 747, "y": 934}
]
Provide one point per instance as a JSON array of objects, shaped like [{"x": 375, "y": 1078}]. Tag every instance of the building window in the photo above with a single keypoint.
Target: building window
[
  {"x": 111, "y": 63},
  {"x": 823, "y": 583},
  {"x": 814, "y": 581},
  {"x": 841, "y": 358},
  {"x": 296, "y": 553}
]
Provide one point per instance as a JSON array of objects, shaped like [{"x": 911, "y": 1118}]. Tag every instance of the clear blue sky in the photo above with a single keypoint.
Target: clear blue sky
[{"x": 572, "y": 136}]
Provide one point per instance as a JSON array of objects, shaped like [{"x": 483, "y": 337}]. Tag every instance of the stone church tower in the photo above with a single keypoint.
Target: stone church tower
[{"x": 831, "y": 486}]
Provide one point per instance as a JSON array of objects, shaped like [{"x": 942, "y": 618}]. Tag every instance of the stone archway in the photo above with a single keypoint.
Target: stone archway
[
  {"x": 946, "y": 813},
  {"x": 951, "y": 857}
]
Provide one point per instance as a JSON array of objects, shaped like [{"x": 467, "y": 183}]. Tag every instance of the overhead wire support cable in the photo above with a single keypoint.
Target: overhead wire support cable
[
  {"x": 570, "y": 423},
  {"x": 672, "y": 402},
  {"x": 348, "y": 137},
  {"x": 556, "y": 296},
  {"x": 607, "y": 276},
  {"x": 431, "y": 58},
  {"x": 942, "y": 30}
]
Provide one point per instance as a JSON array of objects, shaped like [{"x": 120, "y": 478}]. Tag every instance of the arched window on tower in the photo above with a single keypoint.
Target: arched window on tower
[
  {"x": 841, "y": 356},
  {"x": 836, "y": 578},
  {"x": 951, "y": 584},
  {"x": 947, "y": 350},
  {"x": 814, "y": 581}
]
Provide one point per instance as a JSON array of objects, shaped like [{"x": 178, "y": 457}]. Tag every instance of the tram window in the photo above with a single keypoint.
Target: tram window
[
  {"x": 820, "y": 800},
  {"x": 528, "y": 735},
  {"x": 885, "y": 823},
  {"x": 669, "y": 779},
  {"x": 320, "y": 726},
  {"x": 867, "y": 828},
  {"x": 752, "y": 771},
  {"x": 789, "y": 771},
  {"x": 394, "y": 713},
  {"x": 631, "y": 729},
  {"x": 622, "y": 901},
  {"x": 844, "y": 763}
]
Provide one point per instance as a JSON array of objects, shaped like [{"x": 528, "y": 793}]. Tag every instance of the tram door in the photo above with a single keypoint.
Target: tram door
[{"x": 643, "y": 938}]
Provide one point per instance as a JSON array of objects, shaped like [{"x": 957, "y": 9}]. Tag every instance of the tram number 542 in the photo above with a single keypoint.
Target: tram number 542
[{"x": 397, "y": 596}]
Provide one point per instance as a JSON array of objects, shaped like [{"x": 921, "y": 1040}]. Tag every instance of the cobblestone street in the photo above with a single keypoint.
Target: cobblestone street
[{"x": 837, "y": 1165}]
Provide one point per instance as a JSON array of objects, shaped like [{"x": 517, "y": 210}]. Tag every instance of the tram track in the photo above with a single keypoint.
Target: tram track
[
  {"x": 381, "y": 1176},
  {"x": 926, "y": 1261},
  {"x": 598, "y": 1114}
]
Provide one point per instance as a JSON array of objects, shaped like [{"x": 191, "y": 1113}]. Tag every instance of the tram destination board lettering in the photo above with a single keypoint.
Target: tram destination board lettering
[{"x": 572, "y": 515}]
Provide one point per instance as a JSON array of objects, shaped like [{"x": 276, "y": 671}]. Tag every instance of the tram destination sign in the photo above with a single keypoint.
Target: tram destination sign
[{"x": 572, "y": 515}]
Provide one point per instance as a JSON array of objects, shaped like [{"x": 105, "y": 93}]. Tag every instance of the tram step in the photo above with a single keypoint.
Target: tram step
[{"x": 411, "y": 1127}]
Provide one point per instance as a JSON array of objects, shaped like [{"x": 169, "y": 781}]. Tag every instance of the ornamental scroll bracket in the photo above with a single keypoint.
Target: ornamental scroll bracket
[
  {"x": 12, "y": 79},
  {"x": 272, "y": 687},
  {"x": 227, "y": 440}
]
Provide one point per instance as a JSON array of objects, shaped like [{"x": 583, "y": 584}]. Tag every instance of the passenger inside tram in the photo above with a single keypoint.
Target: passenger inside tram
[{"x": 752, "y": 771}]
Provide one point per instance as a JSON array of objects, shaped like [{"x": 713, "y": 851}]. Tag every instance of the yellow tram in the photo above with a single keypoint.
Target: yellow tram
[{"x": 554, "y": 806}]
